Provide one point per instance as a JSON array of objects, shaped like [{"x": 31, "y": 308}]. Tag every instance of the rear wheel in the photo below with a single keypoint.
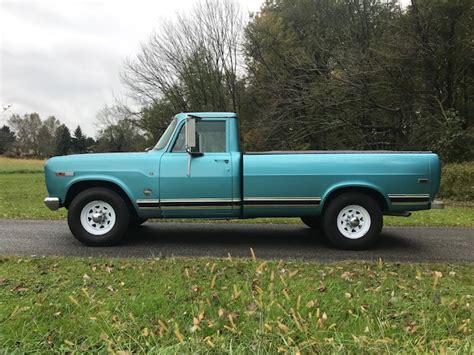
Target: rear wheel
[
  {"x": 353, "y": 221},
  {"x": 98, "y": 217}
]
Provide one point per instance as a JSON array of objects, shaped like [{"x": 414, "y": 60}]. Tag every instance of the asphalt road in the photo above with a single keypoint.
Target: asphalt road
[{"x": 269, "y": 241}]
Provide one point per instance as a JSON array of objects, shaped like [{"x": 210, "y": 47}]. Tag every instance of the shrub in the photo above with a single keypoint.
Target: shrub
[{"x": 457, "y": 182}]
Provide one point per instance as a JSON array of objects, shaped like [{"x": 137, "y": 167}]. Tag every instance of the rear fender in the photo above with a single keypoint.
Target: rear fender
[{"x": 334, "y": 189}]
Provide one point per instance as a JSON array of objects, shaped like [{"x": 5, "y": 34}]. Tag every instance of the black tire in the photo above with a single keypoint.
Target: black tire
[
  {"x": 116, "y": 232},
  {"x": 313, "y": 222},
  {"x": 330, "y": 221},
  {"x": 136, "y": 221}
]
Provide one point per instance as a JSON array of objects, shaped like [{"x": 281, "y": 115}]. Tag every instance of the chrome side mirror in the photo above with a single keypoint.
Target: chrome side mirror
[{"x": 190, "y": 133}]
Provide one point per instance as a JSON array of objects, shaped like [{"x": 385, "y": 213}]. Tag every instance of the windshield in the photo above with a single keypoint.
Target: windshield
[{"x": 166, "y": 136}]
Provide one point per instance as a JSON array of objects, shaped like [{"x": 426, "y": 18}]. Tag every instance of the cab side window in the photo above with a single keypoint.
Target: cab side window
[{"x": 210, "y": 137}]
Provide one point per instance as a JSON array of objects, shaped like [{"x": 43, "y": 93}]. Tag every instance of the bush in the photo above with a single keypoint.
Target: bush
[{"x": 457, "y": 182}]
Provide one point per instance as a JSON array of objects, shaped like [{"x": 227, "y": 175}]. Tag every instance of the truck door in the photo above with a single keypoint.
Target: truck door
[{"x": 207, "y": 190}]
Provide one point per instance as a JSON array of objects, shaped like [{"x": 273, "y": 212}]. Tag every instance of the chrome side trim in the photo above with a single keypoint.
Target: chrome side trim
[
  {"x": 216, "y": 203},
  {"x": 192, "y": 203},
  {"x": 282, "y": 201},
  {"x": 52, "y": 203},
  {"x": 148, "y": 203},
  {"x": 199, "y": 200}
]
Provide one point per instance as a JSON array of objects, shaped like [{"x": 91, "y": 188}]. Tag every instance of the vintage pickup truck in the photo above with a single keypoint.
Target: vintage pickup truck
[{"x": 197, "y": 170}]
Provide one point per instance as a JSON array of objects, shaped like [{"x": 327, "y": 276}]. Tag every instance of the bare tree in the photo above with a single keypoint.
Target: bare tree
[{"x": 191, "y": 62}]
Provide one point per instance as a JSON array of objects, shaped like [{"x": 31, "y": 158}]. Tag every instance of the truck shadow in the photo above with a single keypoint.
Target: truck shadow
[{"x": 267, "y": 241}]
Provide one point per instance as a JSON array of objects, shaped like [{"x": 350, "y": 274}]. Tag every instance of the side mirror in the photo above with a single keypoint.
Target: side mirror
[
  {"x": 190, "y": 133},
  {"x": 190, "y": 130}
]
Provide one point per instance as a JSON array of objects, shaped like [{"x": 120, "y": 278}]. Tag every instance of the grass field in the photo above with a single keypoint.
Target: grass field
[
  {"x": 22, "y": 196},
  {"x": 233, "y": 306},
  {"x": 9, "y": 165}
]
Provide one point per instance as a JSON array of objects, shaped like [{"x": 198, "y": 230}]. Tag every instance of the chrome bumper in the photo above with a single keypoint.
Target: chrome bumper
[
  {"x": 52, "y": 203},
  {"x": 437, "y": 205}
]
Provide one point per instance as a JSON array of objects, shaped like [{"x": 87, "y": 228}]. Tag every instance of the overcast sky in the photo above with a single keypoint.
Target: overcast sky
[{"x": 63, "y": 58}]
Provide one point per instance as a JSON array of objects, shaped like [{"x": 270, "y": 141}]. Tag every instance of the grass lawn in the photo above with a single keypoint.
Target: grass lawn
[
  {"x": 22, "y": 194},
  {"x": 241, "y": 306}
]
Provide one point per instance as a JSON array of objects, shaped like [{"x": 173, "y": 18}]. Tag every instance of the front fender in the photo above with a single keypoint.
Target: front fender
[{"x": 94, "y": 177}]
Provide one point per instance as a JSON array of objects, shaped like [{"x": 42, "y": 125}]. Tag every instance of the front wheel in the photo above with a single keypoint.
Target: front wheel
[
  {"x": 353, "y": 221},
  {"x": 98, "y": 217}
]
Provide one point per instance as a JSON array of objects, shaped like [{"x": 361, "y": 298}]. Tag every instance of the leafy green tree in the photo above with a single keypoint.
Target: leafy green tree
[
  {"x": 7, "y": 138},
  {"x": 361, "y": 75},
  {"x": 119, "y": 132},
  {"x": 26, "y": 129},
  {"x": 46, "y": 136},
  {"x": 124, "y": 136},
  {"x": 62, "y": 140}
]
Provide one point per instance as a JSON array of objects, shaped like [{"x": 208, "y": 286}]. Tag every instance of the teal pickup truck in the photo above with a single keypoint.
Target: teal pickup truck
[{"x": 197, "y": 170}]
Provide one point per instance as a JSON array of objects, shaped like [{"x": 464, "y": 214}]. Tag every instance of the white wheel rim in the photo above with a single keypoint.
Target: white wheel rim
[
  {"x": 353, "y": 221},
  {"x": 98, "y": 217}
]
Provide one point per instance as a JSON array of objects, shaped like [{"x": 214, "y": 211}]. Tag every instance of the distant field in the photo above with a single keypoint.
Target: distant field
[
  {"x": 22, "y": 194},
  {"x": 9, "y": 165}
]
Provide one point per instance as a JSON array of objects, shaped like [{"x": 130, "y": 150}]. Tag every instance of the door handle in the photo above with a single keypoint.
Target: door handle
[{"x": 222, "y": 161}]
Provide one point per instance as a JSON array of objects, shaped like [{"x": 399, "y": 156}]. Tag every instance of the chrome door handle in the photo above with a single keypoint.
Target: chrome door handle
[{"x": 222, "y": 161}]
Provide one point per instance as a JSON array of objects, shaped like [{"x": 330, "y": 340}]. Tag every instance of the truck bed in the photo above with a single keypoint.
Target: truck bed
[{"x": 284, "y": 182}]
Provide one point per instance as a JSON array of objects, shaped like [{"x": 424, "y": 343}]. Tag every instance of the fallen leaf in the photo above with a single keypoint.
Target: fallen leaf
[
  {"x": 20, "y": 288},
  {"x": 145, "y": 332},
  {"x": 73, "y": 300},
  {"x": 283, "y": 327},
  {"x": 178, "y": 333},
  {"x": 347, "y": 275}
]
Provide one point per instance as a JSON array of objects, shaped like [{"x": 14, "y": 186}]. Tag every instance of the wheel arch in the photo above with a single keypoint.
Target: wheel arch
[
  {"x": 366, "y": 189},
  {"x": 78, "y": 186}
]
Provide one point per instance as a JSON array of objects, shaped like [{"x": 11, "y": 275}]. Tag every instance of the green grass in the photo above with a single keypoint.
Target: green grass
[
  {"x": 22, "y": 194},
  {"x": 240, "y": 306}
]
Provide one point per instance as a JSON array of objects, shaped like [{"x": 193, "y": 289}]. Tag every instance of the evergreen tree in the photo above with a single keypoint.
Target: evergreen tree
[
  {"x": 62, "y": 141},
  {"x": 79, "y": 142},
  {"x": 7, "y": 138}
]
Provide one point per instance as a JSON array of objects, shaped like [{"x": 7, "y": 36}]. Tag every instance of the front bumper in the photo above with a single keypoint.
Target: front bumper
[
  {"x": 436, "y": 204},
  {"x": 52, "y": 203}
]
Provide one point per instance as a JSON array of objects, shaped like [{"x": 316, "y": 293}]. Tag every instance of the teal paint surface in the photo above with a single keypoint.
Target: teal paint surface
[{"x": 216, "y": 178}]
